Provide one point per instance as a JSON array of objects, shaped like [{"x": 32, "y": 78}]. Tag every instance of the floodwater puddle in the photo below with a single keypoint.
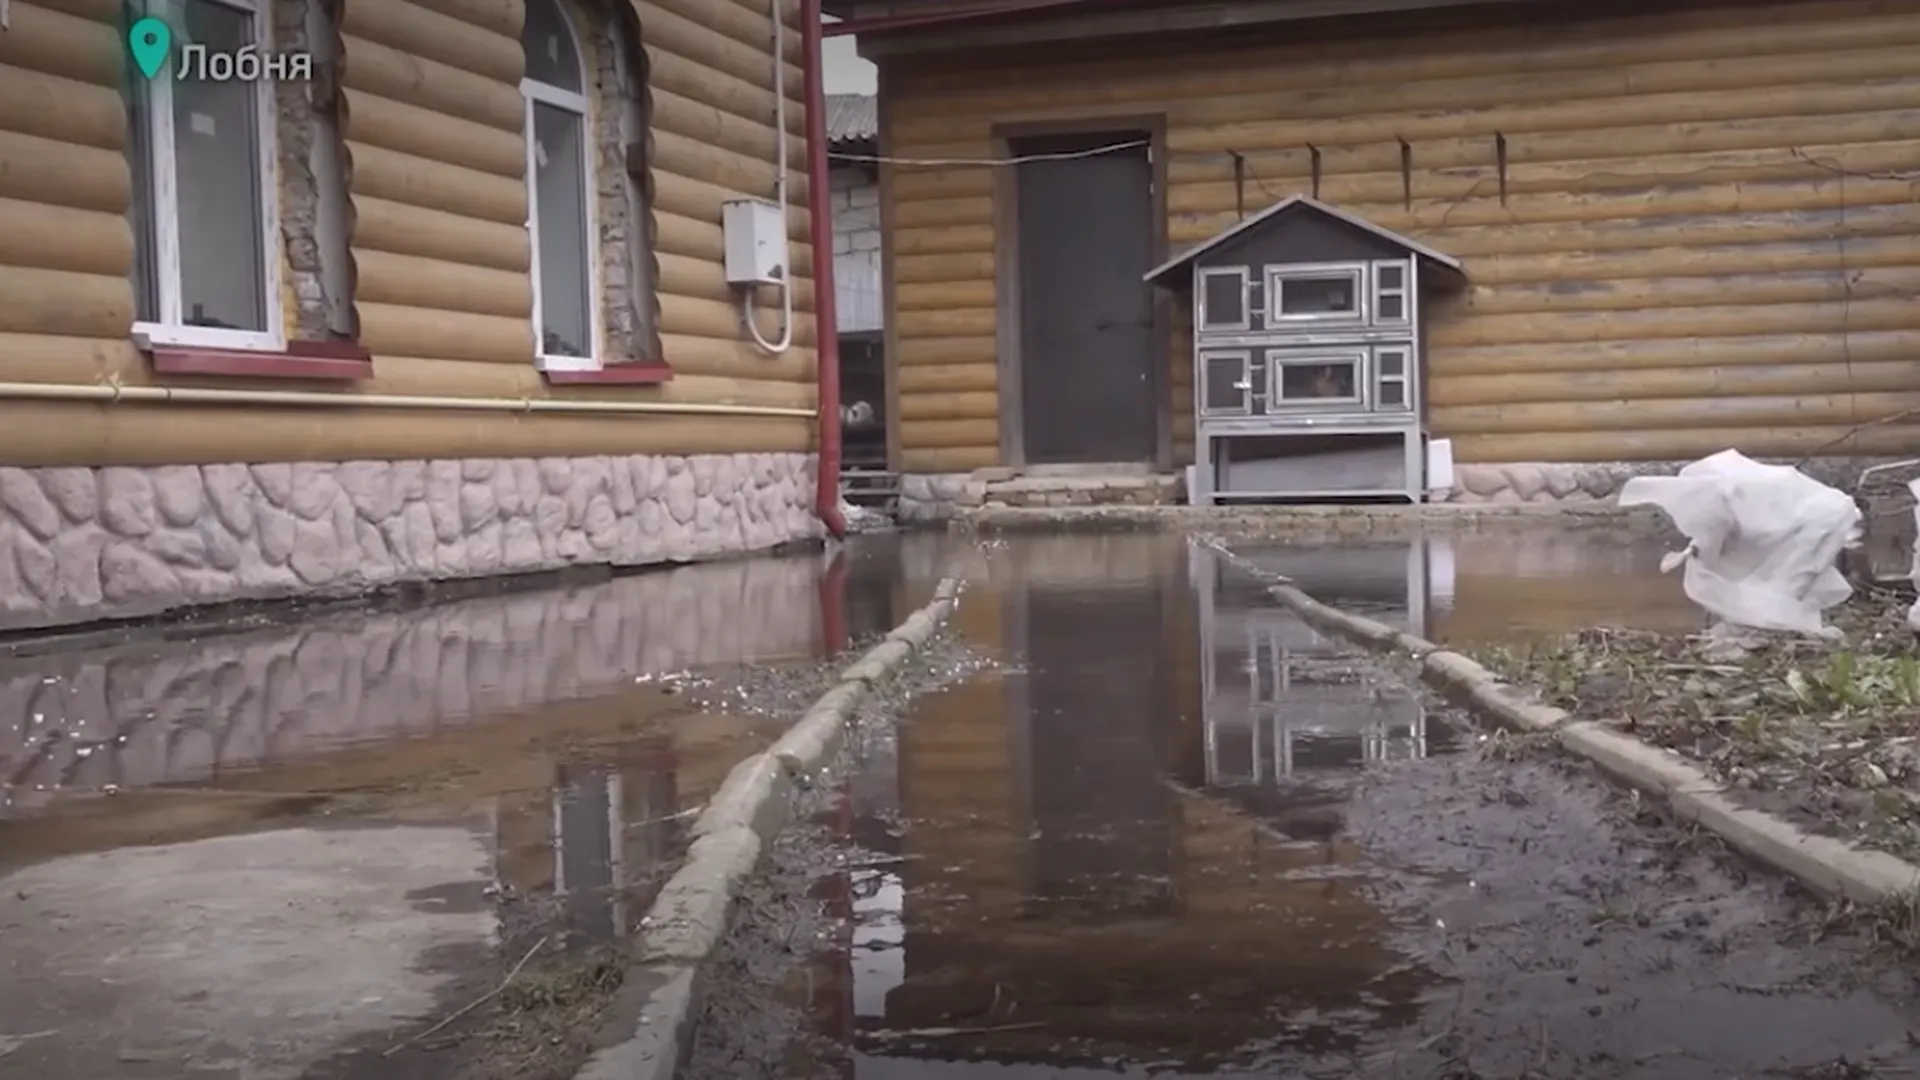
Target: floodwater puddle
[
  {"x": 265, "y": 849},
  {"x": 1181, "y": 833},
  {"x": 1487, "y": 586}
]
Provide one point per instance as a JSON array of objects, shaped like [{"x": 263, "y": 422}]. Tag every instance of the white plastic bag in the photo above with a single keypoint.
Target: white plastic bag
[
  {"x": 1913, "y": 613},
  {"x": 1764, "y": 540}
]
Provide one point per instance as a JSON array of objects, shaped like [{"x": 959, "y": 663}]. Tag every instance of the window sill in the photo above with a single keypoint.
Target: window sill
[
  {"x": 333, "y": 361},
  {"x": 635, "y": 374}
]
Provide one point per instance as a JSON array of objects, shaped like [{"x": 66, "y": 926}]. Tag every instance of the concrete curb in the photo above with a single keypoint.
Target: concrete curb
[
  {"x": 1828, "y": 866},
  {"x": 692, "y": 912},
  {"x": 1000, "y": 517}
]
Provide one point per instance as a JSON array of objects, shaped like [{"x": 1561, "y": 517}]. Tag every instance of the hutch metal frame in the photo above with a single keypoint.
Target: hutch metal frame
[{"x": 1360, "y": 314}]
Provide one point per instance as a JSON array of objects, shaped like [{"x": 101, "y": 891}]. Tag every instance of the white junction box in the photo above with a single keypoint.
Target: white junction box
[{"x": 756, "y": 242}]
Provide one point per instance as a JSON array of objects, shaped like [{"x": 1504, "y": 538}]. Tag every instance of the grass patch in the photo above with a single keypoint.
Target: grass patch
[{"x": 1828, "y": 732}]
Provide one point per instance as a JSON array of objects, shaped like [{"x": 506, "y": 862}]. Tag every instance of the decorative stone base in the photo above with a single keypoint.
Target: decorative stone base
[
  {"x": 943, "y": 496},
  {"x": 80, "y": 544},
  {"x": 1563, "y": 482}
]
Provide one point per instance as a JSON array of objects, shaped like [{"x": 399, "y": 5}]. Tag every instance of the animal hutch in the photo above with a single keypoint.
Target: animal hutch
[
  {"x": 1278, "y": 696},
  {"x": 1308, "y": 360}
]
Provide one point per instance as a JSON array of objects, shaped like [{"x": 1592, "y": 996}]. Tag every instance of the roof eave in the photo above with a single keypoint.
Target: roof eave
[{"x": 1437, "y": 258}]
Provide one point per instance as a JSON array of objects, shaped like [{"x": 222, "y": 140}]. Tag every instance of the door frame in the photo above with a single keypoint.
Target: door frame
[{"x": 1006, "y": 277}]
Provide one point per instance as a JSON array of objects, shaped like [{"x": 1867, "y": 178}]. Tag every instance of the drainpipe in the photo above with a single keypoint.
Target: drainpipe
[
  {"x": 832, "y": 586},
  {"x": 826, "y": 331}
]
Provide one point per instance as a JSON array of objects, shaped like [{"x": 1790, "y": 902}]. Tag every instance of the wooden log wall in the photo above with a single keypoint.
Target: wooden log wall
[
  {"x": 1702, "y": 236},
  {"x": 432, "y": 118}
]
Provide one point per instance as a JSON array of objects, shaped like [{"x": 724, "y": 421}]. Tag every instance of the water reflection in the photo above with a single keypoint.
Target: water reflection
[
  {"x": 1043, "y": 855},
  {"x": 599, "y": 841},
  {"x": 1131, "y": 847},
  {"x": 1279, "y": 695},
  {"x": 1492, "y": 586},
  {"x": 152, "y": 710}
]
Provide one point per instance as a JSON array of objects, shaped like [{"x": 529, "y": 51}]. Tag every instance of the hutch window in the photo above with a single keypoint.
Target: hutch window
[
  {"x": 1325, "y": 293},
  {"x": 1229, "y": 382},
  {"x": 1317, "y": 379},
  {"x": 1390, "y": 293},
  {"x": 1390, "y": 367},
  {"x": 1223, "y": 299}
]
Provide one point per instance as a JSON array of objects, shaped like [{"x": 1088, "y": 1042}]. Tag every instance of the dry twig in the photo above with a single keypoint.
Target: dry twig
[{"x": 474, "y": 1004}]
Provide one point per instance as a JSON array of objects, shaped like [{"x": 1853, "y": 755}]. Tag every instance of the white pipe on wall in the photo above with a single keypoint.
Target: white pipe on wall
[
  {"x": 107, "y": 393},
  {"x": 778, "y": 8}
]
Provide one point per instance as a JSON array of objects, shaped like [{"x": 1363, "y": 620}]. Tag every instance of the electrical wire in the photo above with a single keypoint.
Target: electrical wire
[{"x": 1068, "y": 155}]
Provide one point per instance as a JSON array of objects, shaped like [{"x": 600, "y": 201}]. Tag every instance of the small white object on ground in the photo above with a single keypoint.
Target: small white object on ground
[
  {"x": 862, "y": 519},
  {"x": 1764, "y": 541}
]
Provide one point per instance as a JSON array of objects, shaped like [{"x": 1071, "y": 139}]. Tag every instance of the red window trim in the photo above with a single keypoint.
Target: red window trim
[
  {"x": 634, "y": 373},
  {"x": 335, "y": 361}
]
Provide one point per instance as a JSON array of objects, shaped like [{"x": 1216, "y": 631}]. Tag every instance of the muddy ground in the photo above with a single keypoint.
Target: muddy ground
[
  {"x": 537, "y": 1006},
  {"x": 1549, "y": 926},
  {"x": 540, "y": 1005},
  {"x": 1824, "y": 733}
]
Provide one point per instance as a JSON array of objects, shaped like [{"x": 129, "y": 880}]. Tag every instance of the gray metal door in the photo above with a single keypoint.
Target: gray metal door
[{"x": 1086, "y": 319}]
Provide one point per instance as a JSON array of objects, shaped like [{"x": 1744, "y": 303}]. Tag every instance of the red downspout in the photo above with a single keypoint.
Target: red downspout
[
  {"x": 833, "y": 607},
  {"x": 826, "y": 330}
]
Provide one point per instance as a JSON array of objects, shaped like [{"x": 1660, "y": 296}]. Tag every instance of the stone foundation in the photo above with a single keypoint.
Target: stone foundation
[
  {"x": 1554, "y": 482},
  {"x": 80, "y": 544},
  {"x": 931, "y": 497}
]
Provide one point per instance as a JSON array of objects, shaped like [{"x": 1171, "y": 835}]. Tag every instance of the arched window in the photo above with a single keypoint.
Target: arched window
[{"x": 559, "y": 218}]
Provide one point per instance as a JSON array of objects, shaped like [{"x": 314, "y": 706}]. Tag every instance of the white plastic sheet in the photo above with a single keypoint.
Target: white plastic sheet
[
  {"x": 1764, "y": 541},
  {"x": 1913, "y": 613}
]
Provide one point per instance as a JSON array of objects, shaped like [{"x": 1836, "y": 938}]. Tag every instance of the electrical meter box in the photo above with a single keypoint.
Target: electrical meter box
[{"x": 756, "y": 242}]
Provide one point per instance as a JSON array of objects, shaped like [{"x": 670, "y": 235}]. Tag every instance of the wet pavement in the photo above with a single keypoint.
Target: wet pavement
[
  {"x": 1173, "y": 829},
  {"x": 280, "y": 851},
  {"x": 1180, "y": 833}
]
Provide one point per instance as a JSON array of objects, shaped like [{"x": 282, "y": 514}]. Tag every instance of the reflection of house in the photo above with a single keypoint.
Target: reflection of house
[
  {"x": 147, "y": 712},
  {"x": 448, "y": 293},
  {"x": 603, "y": 829},
  {"x": 1051, "y": 875},
  {"x": 1281, "y": 695},
  {"x": 615, "y": 829},
  {"x": 600, "y": 833}
]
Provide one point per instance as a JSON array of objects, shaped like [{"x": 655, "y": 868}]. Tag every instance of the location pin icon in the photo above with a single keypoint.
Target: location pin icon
[{"x": 150, "y": 40}]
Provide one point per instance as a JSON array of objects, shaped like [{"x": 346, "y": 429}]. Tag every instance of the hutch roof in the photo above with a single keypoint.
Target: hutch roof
[{"x": 1161, "y": 274}]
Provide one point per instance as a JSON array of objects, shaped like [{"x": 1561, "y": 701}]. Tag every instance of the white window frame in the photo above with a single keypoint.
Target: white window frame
[
  {"x": 1404, "y": 292},
  {"x": 1404, "y": 379},
  {"x": 1204, "y": 318},
  {"x": 163, "y": 193},
  {"x": 532, "y": 91},
  {"x": 1278, "y": 360},
  {"x": 1276, "y": 283}
]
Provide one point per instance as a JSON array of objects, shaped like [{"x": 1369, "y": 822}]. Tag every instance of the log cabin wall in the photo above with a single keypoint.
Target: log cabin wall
[
  {"x": 400, "y": 174},
  {"x": 1685, "y": 231}
]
